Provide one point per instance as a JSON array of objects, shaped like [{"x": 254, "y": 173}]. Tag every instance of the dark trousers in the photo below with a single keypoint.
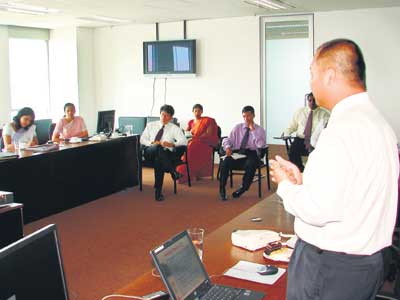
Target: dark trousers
[
  {"x": 296, "y": 151},
  {"x": 248, "y": 164},
  {"x": 316, "y": 274},
  {"x": 162, "y": 160}
]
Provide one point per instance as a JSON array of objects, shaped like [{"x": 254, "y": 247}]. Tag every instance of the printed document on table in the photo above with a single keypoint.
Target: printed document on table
[
  {"x": 235, "y": 156},
  {"x": 248, "y": 271}
]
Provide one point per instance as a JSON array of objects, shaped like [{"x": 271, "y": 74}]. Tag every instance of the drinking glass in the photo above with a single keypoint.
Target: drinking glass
[
  {"x": 128, "y": 129},
  {"x": 197, "y": 236}
]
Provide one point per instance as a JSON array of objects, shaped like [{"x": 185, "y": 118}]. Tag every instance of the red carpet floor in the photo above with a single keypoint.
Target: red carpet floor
[{"x": 105, "y": 244}]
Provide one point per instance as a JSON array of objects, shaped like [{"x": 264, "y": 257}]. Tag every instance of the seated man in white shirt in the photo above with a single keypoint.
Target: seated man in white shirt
[
  {"x": 304, "y": 123},
  {"x": 159, "y": 139}
]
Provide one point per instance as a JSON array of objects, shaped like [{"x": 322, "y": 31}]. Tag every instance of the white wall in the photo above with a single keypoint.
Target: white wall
[
  {"x": 86, "y": 83},
  {"x": 227, "y": 63},
  {"x": 5, "y": 99},
  {"x": 377, "y": 33},
  {"x": 229, "y": 67},
  {"x": 63, "y": 70}
]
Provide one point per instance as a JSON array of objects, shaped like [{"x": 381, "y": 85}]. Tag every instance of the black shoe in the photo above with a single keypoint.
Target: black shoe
[
  {"x": 176, "y": 175},
  {"x": 239, "y": 192},
  {"x": 159, "y": 196},
  {"x": 222, "y": 194}
]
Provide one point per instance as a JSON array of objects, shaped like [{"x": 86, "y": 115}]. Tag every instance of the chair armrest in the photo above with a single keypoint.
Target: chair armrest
[
  {"x": 180, "y": 150},
  {"x": 261, "y": 152}
]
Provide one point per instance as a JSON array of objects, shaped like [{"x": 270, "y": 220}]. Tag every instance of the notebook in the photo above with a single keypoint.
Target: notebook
[
  {"x": 184, "y": 275},
  {"x": 7, "y": 155}
]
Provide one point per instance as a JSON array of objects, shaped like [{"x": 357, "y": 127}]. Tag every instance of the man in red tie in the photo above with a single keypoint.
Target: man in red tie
[
  {"x": 159, "y": 140},
  {"x": 305, "y": 122}
]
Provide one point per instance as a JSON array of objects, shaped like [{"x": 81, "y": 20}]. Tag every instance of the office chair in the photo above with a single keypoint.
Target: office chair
[
  {"x": 1, "y": 139},
  {"x": 42, "y": 130},
  {"x": 180, "y": 150},
  {"x": 288, "y": 142},
  {"x": 215, "y": 149},
  {"x": 391, "y": 261},
  {"x": 264, "y": 163},
  {"x": 138, "y": 123},
  {"x": 51, "y": 130}
]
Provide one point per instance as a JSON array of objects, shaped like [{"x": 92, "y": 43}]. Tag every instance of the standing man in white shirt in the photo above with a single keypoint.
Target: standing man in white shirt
[
  {"x": 160, "y": 139},
  {"x": 345, "y": 202}
]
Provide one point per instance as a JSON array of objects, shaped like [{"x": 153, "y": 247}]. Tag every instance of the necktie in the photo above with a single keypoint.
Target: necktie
[
  {"x": 159, "y": 134},
  {"x": 307, "y": 131},
  {"x": 245, "y": 139}
]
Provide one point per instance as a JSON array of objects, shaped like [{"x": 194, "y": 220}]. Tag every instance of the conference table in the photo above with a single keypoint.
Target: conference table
[
  {"x": 219, "y": 253},
  {"x": 50, "y": 182}
]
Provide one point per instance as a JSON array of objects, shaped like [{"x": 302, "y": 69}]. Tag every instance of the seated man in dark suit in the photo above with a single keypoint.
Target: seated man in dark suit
[
  {"x": 159, "y": 139},
  {"x": 245, "y": 138}
]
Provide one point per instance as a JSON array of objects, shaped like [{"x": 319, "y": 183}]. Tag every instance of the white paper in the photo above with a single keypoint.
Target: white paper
[
  {"x": 235, "y": 156},
  {"x": 248, "y": 271}
]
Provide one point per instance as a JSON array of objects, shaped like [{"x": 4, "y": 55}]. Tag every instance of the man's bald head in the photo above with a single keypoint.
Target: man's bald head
[{"x": 345, "y": 57}]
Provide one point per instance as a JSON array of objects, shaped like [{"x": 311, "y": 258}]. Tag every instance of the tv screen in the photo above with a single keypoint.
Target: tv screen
[{"x": 169, "y": 57}]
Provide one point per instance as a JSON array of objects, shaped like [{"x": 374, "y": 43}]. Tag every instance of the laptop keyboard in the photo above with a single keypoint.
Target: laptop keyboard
[{"x": 219, "y": 292}]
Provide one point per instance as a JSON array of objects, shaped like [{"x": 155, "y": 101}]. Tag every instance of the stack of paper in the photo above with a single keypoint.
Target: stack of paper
[{"x": 235, "y": 156}]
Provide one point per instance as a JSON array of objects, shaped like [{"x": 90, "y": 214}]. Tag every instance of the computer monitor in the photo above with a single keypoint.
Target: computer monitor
[
  {"x": 138, "y": 124},
  {"x": 105, "y": 121},
  {"x": 42, "y": 130},
  {"x": 31, "y": 268}
]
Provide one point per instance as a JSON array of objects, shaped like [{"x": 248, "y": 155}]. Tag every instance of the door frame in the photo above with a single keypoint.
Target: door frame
[{"x": 276, "y": 18}]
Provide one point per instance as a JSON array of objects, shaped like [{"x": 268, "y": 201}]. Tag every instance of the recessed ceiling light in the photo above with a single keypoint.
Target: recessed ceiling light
[
  {"x": 271, "y": 4},
  {"x": 27, "y": 9},
  {"x": 105, "y": 19}
]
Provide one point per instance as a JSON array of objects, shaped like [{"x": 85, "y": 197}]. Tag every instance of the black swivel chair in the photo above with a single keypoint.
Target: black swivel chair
[
  {"x": 264, "y": 163},
  {"x": 42, "y": 130},
  {"x": 391, "y": 261},
  {"x": 1, "y": 139},
  {"x": 180, "y": 150},
  {"x": 51, "y": 130},
  {"x": 215, "y": 149}
]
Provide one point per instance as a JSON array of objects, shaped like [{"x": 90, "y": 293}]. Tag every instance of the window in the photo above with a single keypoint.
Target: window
[{"x": 29, "y": 76}]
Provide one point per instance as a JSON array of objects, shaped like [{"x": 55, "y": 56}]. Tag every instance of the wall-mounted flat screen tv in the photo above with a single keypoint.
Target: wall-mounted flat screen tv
[{"x": 169, "y": 57}]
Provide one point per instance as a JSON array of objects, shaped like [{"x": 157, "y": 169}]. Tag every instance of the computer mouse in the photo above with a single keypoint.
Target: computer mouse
[{"x": 267, "y": 270}]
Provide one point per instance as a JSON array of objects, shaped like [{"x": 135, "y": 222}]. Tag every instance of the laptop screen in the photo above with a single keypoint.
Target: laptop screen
[
  {"x": 180, "y": 267},
  {"x": 31, "y": 268}
]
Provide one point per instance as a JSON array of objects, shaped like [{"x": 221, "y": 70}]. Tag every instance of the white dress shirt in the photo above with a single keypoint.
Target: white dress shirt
[
  {"x": 348, "y": 199},
  {"x": 299, "y": 121},
  {"x": 21, "y": 135},
  {"x": 172, "y": 134}
]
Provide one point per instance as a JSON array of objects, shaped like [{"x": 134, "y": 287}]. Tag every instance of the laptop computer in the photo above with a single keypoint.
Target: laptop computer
[{"x": 185, "y": 277}]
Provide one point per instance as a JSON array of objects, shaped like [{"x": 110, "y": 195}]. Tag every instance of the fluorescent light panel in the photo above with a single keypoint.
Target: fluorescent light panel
[
  {"x": 27, "y": 9},
  {"x": 270, "y": 4},
  {"x": 105, "y": 19}
]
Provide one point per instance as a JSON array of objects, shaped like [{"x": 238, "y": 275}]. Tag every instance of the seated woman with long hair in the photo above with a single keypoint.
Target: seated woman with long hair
[
  {"x": 204, "y": 132},
  {"x": 70, "y": 125},
  {"x": 21, "y": 131}
]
